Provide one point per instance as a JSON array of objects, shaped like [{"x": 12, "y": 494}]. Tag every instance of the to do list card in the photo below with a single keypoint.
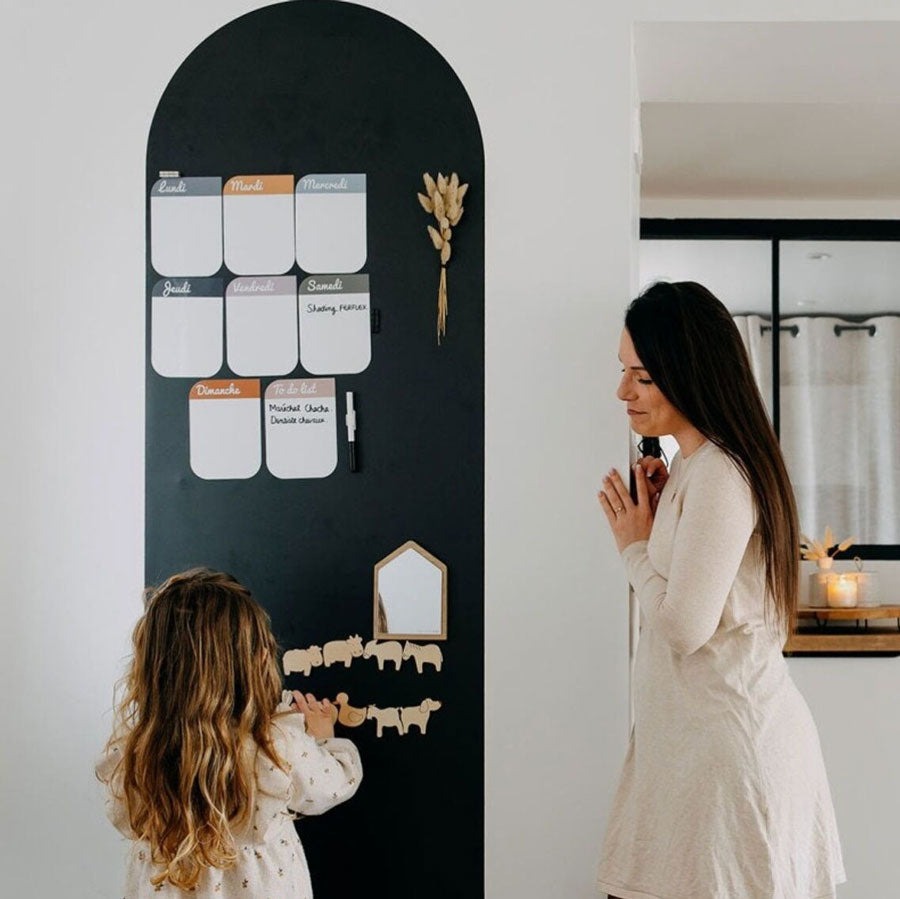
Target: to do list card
[{"x": 301, "y": 428}]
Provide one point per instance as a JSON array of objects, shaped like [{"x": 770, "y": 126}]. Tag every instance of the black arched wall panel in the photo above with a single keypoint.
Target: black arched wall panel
[{"x": 306, "y": 87}]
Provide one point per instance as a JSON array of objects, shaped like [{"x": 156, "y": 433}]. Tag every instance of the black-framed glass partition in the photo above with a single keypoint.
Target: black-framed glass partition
[{"x": 831, "y": 382}]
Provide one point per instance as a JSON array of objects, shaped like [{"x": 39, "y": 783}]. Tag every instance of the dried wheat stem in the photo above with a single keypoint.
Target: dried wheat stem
[{"x": 443, "y": 199}]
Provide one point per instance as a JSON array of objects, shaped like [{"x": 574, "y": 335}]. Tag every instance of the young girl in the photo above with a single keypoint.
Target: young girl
[{"x": 205, "y": 765}]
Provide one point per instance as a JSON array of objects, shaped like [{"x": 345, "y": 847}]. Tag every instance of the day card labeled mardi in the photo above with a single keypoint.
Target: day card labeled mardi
[{"x": 259, "y": 224}]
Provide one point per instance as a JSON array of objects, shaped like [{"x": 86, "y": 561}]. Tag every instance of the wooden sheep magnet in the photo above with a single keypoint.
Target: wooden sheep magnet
[
  {"x": 430, "y": 654},
  {"x": 343, "y": 651},
  {"x": 302, "y": 660},
  {"x": 391, "y": 651}
]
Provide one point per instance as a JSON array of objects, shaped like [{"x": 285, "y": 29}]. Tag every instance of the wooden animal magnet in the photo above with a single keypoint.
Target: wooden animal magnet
[
  {"x": 429, "y": 654},
  {"x": 418, "y": 715},
  {"x": 349, "y": 715},
  {"x": 391, "y": 651},
  {"x": 385, "y": 718},
  {"x": 343, "y": 651},
  {"x": 302, "y": 660}
]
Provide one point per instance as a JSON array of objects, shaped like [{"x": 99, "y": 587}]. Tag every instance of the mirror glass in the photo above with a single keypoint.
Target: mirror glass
[
  {"x": 410, "y": 595},
  {"x": 839, "y": 383}
]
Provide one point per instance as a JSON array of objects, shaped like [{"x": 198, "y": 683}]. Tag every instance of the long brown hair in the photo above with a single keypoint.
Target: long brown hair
[
  {"x": 203, "y": 679},
  {"x": 689, "y": 344}
]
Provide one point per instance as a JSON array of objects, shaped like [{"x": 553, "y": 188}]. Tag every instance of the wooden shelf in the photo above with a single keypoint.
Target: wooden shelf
[
  {"x": 854, "y": 613},
  {"x": 833, "y": 636}
]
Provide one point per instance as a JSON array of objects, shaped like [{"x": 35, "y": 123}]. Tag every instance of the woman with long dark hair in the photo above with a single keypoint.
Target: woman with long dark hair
[{"x": 723, "y": 793}]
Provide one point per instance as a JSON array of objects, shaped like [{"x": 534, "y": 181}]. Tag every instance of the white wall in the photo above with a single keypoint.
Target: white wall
[{"x": 551, "y": 87}]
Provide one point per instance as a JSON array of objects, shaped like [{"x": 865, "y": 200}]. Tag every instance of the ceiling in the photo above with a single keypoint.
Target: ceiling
[{"x": 786, "y": 110}]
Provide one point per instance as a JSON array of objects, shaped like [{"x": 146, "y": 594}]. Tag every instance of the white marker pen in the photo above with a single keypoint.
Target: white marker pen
[{"x": 351, "y": 429}]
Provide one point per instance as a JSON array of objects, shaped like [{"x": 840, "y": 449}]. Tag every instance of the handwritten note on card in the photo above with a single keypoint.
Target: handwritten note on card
[
  {"x": 186, "y": 226},
  {"x": 186, "y": 327},
  {"x": 259, "y": 224},
  {"x": 331, "y": 223},
  {"x": 224, "y": 429},
  {"x": 335, "y": 324},
  {"x": 301, "y": 428}
]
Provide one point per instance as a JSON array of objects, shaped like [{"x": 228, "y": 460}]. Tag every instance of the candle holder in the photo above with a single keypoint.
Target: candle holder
[
  {"x": 818, "y": 581},
  {"x": 841, "y": 590},
  {"x": 867, "y": 586}
]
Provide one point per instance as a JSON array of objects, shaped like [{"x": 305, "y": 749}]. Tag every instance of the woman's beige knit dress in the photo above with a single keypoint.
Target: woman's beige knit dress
[{"x": 723, "y": 793}]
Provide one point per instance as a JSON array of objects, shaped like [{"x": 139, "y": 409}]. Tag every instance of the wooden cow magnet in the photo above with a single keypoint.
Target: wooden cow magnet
[{"x": 343, "y": 651}]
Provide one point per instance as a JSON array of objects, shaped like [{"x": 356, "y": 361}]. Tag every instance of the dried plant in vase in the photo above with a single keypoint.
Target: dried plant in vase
[
  {"x": 443, "y": 199},
  {"x": 821, "y": 550}
]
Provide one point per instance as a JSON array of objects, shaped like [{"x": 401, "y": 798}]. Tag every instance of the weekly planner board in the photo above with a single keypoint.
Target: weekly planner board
[{"x": 289, "y": 274}]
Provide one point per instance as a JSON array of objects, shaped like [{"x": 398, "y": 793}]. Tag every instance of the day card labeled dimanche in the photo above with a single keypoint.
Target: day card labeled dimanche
[{"x": 224, "y": 426}]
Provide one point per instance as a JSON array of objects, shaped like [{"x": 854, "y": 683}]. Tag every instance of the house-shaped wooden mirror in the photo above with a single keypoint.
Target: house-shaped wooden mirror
[{"x": 410, "y": 595}]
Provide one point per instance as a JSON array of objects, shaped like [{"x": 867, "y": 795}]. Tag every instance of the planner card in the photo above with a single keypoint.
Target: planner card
[
  {"x": 186, "y": 327},
  {"x": 259, "y": 224},
  {"x": 301, "y": 428},
  {"x": 261, "y": 325},
  {"x": 335, "y": 324},
  {"x": 331, "y": 223},
  {"x": 225, "y": 433},
  {"x": 186, "y": 226}
]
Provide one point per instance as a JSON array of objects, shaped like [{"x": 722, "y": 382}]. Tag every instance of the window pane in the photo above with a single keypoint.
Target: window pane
[{"x": 840, "y": 386}]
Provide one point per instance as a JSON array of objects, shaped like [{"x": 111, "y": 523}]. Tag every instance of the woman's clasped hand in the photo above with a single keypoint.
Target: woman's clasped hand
[{"x": 630, "y": 521}]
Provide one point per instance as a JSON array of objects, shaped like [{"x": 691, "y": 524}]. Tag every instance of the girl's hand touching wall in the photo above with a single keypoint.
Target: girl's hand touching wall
[{"x": 319, "y": 716}]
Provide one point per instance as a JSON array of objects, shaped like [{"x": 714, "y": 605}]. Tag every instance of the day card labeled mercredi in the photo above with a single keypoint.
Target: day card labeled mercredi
[
  {"x": 186, "y": 327},
  {"x": 301, "y": 428},
  {"x": 331, "y": 223},
  {"x": 225, "y": 433},
  {"x": 259, "y": 224},
  {"x": 186, "y": 226},
  {"x": 335, "y": 324},
  {"x": 261, "y": 325}
]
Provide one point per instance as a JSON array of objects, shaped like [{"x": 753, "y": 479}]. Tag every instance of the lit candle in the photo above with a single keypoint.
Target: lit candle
[{"x": 841, "y": 591}]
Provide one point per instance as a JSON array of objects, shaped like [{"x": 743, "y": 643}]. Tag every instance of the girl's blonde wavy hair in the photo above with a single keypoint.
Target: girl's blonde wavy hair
[{"x": 203, "y": 679}]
